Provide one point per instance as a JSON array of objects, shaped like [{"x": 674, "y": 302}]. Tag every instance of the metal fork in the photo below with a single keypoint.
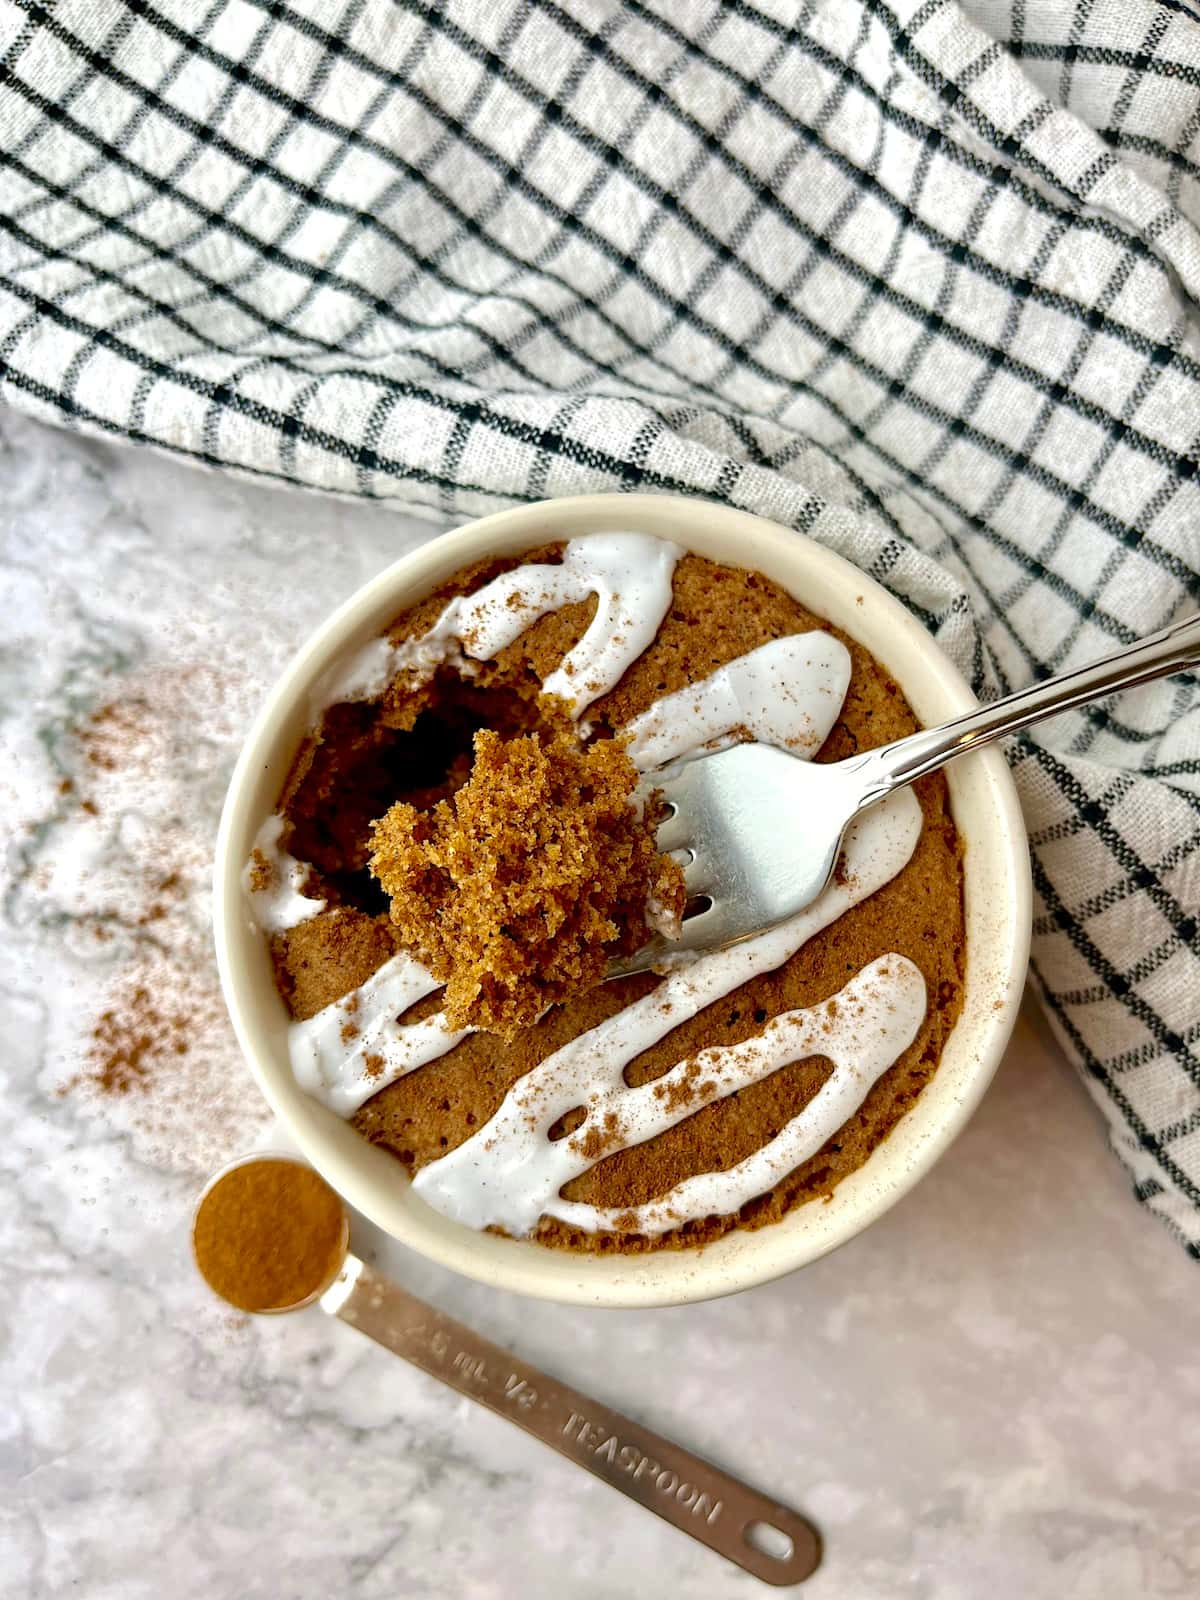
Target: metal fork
[{"x": 758, "y": 831}]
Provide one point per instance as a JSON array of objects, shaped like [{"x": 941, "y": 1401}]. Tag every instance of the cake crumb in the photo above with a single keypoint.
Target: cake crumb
[
  {"x": 262, "y": 873},
  {"x": 519, "y": 890}
]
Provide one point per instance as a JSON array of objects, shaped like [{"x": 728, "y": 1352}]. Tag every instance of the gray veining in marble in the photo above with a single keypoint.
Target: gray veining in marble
[{"x": 992, "y": 1393}]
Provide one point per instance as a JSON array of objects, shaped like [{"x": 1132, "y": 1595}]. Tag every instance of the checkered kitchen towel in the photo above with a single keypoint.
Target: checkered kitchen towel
[{"x": 920, "y": 279}]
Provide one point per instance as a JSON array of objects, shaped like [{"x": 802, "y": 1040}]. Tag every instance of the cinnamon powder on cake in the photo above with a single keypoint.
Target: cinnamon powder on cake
[{"x": 415, "y": 746}]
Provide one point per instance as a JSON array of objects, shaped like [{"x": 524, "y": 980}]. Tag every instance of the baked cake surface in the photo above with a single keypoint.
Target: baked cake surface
[{"x": 653, "y": 1111}]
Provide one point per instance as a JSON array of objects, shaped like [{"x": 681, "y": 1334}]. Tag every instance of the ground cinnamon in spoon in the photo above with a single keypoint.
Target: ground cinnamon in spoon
[{"x": 269, "y": 1234}]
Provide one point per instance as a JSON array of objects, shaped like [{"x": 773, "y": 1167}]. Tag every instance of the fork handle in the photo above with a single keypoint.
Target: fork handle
[{"x": 892, "y": 766}]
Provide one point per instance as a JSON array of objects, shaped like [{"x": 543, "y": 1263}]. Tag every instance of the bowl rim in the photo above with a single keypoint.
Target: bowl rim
[{"x": 996, "y": 854}]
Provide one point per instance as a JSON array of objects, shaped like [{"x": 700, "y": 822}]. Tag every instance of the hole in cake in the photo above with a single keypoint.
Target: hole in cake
[
  {"x": 360, "y": 766},
  {"x": 358, "y": 889},
  {"x": 568, "y": 1123},
  {"x": 428, "y": 1006},
  {"x": 519, "y": 886}
]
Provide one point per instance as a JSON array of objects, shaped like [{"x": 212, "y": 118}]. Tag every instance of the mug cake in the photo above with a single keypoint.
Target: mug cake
[{"x": 460, "y": 851}]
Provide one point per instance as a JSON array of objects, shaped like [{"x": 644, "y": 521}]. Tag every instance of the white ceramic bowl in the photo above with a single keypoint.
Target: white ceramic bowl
[{"x": 997, "y": 914}]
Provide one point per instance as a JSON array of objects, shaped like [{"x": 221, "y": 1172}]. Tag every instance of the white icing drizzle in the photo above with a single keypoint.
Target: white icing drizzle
[
  {"x": 331, "y": 1064},
  {"x": 629, "y": 573},
  {"x": 786, "y": 693},
  {"x": 280, "y": 904},
  {"x": 509, "y": 1171},
  {"x": 861, "y": 1031},
  {"x": 369, "y": 671}
]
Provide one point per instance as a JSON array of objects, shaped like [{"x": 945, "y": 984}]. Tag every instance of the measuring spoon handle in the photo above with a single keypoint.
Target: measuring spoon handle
[{"x": 683, "y": 1489}]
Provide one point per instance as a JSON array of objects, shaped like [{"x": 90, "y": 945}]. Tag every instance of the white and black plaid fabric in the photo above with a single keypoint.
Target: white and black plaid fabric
[{"x": 921, "y": 279}]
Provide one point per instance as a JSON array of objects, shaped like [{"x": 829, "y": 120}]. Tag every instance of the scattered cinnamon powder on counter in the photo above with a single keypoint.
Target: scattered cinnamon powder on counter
[
  {"x": 130, "y": 1040},
  {"x": 111, "y": 728},
  {"x": 164, "y": 892},
  {"x": 156, "y": 1055}
]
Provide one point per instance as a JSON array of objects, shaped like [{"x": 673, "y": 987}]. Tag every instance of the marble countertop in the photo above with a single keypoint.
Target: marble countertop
[{"x": 991, "y": 1393}]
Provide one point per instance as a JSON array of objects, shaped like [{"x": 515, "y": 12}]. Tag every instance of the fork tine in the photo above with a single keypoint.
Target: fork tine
[
  {"x": 673, "y": 832},
  {"x": 733, "y": 832},
  {"x": 697, "y": 875},
  {"x": 706, "y": 928},
  {"x": 700, "y": 932}
]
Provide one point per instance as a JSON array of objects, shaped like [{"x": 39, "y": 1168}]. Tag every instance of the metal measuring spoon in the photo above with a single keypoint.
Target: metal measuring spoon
[{"x": 755, "y": 1533}]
